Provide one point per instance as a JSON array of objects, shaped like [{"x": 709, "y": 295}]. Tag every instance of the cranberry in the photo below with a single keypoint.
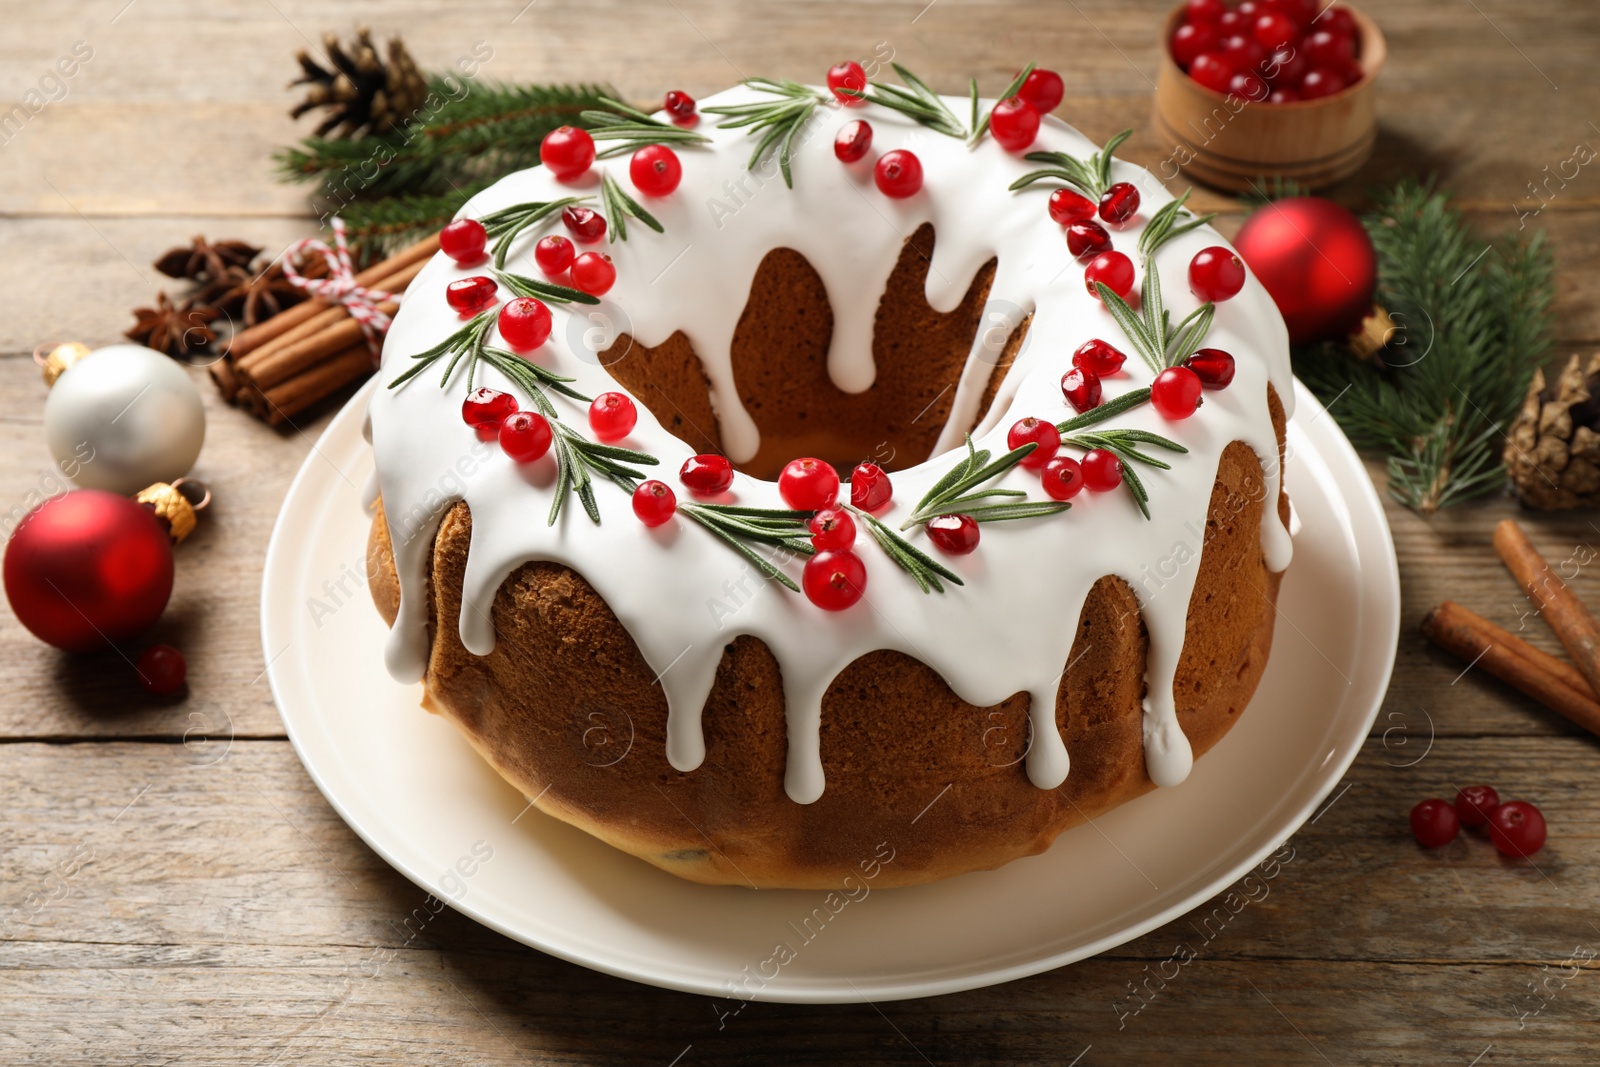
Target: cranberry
[
  {"x": 1321, "y": 82},
  {"x": 1119, "y": 203},
  {"x": 1243, "y": 51},
  {"x": 1212, "y": 366},
  {"x": 1204, "y": 10},
  {"x": 1176, "y": 392},
  {"x": 1212, "y": 70},
  {"x": 853, "y": 141},
  {"x": 1285, "y": 68},
  {"x": 832, "y": 529},
  {"x": 525, "y": 323},
  {"x": 1336, "y": 19},
  {"x": 1062, "y": 478},
  {"x": 1014, "y": 123},
  {"x": 1302, "y": 11},
  {"x": 525, "y": 436},
  {"x": 898, "y": 174},
  {"x": 1517, "y": 828},
  {"x": 1068, "y": 206},
  {"x": 585, "y": 223},
  {"x": 1081, "y": 388},
  {"x": 1231, "y": 21},
  {"x": 870, "y": 488},
  {"x": 594, "y": 273},
  {"x": 1324, "y": 48},
  {"x": 464, "y": 241},
  {"x": 554, "y": 254},
  {"x": 1085, "y": 240},
  {"x": 834, "y": 580},
  {"x": 955, "y": 534},
  {"x": 1275, "y": 30},
  {"x": 808, "y": 484},
  {"x": 1043, "y": 435},
  {"x": 470, "y": 295},
  {"x": 484, "y": 407},
  {"x": 1248, "y": 86},
  {"x": 1114, "y": 270},
  {"x": 707, "y": 474},
  {"x": 1098, "y": 358},
  {"x": 1193, "y": 39},
  {"x": 847, "y": 75},
  {"x": 612, "y": 416},
  {"x": 1248, "y": 10},
  {"x": 162, "y": 669},
  {"x": 654, "y": 502},
  {"x": 1434, "y": 823},
  {"x": 1102, "y": 470},
  {"x": 1475, "y": 803},
  {"x": 680, "y": 108},
  {"x": 1216, "y": 274},
  {"x": 655, "y": 170},
  {"x": 1284, "y": 96},
  {"x": 1043, "y": 89},
  {"x": 567, "y": 151}
]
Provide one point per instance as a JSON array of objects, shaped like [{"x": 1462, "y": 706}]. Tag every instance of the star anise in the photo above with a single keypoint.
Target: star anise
[
  {"x": 255, "y": 297},
  {"x": 176, "y": 329},
  {"x": 205, "y": 261}
]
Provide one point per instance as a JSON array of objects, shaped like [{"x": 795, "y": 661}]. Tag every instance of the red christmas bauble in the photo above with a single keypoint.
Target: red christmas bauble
[
  {"x": 88, "y": 569},
  {"x": 1316, "y": 260}
]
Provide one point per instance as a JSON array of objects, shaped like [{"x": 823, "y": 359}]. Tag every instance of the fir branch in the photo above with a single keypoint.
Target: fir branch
[
  {"x": 979, "y": 128},
  {"x": 1091, "y": 176},
  {"x": 915, "y": 101},
  {"x": 619, "y": 207},
  {"x": 379, "y": 227},
  {"x": 740, "y": 527},
  {"x": 778, "y": 122},
  {"x": 923, "y": 568},
  {"x": 508, "y": 223},
  {"x": 547, "y": 291},
  {"x": 632, "y": 129},
  {"x": 1170, "y": 220}
]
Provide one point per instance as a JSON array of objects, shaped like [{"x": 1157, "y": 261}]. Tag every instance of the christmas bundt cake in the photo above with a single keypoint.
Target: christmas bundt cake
[{"x": 818, "y": 472}]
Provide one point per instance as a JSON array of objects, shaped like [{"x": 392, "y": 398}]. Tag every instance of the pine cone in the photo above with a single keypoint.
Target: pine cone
[
  {"x": 1553, "y": 451},
  {"x": 361, "y": 93}
]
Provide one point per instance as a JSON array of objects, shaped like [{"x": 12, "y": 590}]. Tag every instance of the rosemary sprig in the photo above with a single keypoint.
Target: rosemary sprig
[
  {"x": 958, "y": 491},
  {"x": 619, "y": 207},
  {"x": 1170, "y": 220},
  {"x": 981, "y": 128},
  {"x": 632, "y": 129},
  {"x": 1110, "y": 409},
  {"x": 1158, "y": 342},
  {"x": 1123, "y": 442},
  {"x": 917, "y": 101},
  {"x": 1091, "y": 177},
  {"x": 578, "y": 459},
  {"x": 504, "y": 225},
  {"x": 778, "y": 122},
  {"x": 923, "y": 568},
  {"x": 533, "y": 379},
  {"x": 468, "y": 340},
  {"x": 738, "y": 526},
  {"x": 522, "y": 285}
]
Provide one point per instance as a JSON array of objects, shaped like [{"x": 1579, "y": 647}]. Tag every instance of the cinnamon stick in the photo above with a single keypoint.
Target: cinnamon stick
[
  {"x": 1559, "y": 605},
  {"x": 301, "y": 391},
  {"x": 329, "y": 317},
  {"x": 281, "y": 364}
]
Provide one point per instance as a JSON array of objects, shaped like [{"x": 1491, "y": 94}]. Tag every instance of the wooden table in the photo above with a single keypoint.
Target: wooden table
[{"x": 174, "y": 889}]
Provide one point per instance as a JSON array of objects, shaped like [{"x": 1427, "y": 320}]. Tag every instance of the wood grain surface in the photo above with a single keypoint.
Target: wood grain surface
[{"x": 173, "y": 888}]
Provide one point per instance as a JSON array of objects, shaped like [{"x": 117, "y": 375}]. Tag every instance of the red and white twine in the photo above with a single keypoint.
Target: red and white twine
[{"x": 340, "y": 286}]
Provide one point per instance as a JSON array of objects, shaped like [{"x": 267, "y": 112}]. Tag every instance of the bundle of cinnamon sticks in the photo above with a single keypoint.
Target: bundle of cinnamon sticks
[
  {"x": 284, "y": 365},
  {"x": 1560, "y": 686}
]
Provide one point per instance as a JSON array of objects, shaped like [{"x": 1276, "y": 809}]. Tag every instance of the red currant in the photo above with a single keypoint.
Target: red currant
[
  {"x": 464, "y": 241},
  {"x": 1192, "y": 40},
  {"x": 834, "y": 580},
  {"x": 1102, "y": 470},
  {"x": 554, "y": 254},
  {"x": 1517, "y": 828},
  {"x": 1043, "y": 89},
  {"x": 1086, "y": 239},
  {"x": 898, "y": 174},
  {"x": 853, "y": 141},
  {"x": 707, "y": 474},
  {"x": 655, "y": 170},
  {"x": 485, "y": 408},
  {"x": 1275, "y": 30},
  {"x": 654, "y": 502},
  {"x": 525, "y": 323},
  {"x": 1216, "y": 274},
  {"x": 1081, "y": 388},
  {"x": 1039, "y": 433},
  {"x": 1212, "y": 70},
  {"x": 1320, "y": 82},
  {"x": 1114, "y": 270},
  {"x": 585, "y": 223},
  {"x": 1204, "y": 10},
  {"x": 1014, "y": 123},
  {"x": 680, "y": 108},
  {"x": 1176, "y": 393},
  {"x": 1248, "y": 86},
  {"x": 612, "y": 416},
  {"x": 808, "y": 484},
  {"x": 1212, "y": 366},
  {"x": 1475, "y": 803},
  {"x": 470, "y": 295},
  {"x": 870, "y": 488},
  {"x": 1067, "y": 207},
  {"x": 1062, "y": 478},
  {"x": 162, "y": 669},
  {"x": 1324, "y": 48},
  {"x": 1434, "y": 823},
  {"x": 1119, "y": 203},
  {"x": 1098, "y": 358},
  {"x": 567, "y": 151},
  {"x": 847, "y": 75},
  {"x": 832, "y": 529},
  {"x": 955, "y": 534},
  {"x": 525, "y": 436},
  {"x": 594, "y": 273}
]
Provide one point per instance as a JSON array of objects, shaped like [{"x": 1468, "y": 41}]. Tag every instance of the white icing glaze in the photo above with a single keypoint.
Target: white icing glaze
[{"x": 682, "y": 594}]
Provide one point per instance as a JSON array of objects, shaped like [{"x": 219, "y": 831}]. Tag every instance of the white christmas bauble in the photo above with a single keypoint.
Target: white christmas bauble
[{"x": 124, "y": 417}]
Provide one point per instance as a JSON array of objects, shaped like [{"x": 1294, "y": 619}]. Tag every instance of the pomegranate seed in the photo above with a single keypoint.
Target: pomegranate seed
[
  {"x": 847, "y": 75},
  {"x": 1212, "y": 366},
  {"x": 1204, "y": 10},
  {"x": 1085, "y": 240},
  {"x": 525, "y": 323},
  {"x": 1434, "y": 823},
  {"x": 853, "y": 141},
  {"x": 1247, "y": 86},
  {"x": 1324, "y": 48},
  {"x": 1176, "y": 393},
  {"x": 655, "y": 170},
  {"x": 1081, "y": 388},
  {"x": 1283, "y": 96},
  {"x": 1216, "y": 274},
  {"x": 1098, "y": 358},
  {"x": 162, "y": 669},
  {"x": 1212, "y": 70},
  {"x": 654, "y": 502},
  {"x": 808, "y": 484},
  {"x": 1192, "y": 40},
  {"x": 525, "y": 436},
  {"x": 898, "y": 174},
  {"x": 834, "y": 580},
  {"x": 955, "y": 534},
  {"x": 585, "y": 223},
  {"x": 612, "y": 416},
  {"x": 567, "y": 151},
  {"x": 1119, "y": 203},
  {"x": 1039, "y": 433},
  {"x": 1114, "y": 270},
  {"x": 1043, "y": 89},
  {"x": 832, "y": 529},
  {"x": 1102, "y": 470},
  {"x": 594, "y": 273},
  {"x": 870, "y": 488},
  {"x": 1275, "y": 30},
  {"x": 1517, "y": 828},
  {"x": 464, "y": 241},
  {"x": 1475, "y": 803},
  {"x": 680, "y": 108},
  {"x": 485, "y": 408},
  {"x": 707, "y": 474},
  {"x": 1014, "y": 123},
  {"x": 1321, "y": 82},
  {"x": 1067, "y": 207},
  {"x": 554, "y": 254},
  {"x": 470, "y": 295},
  {"x": 1062, "y": 478}
]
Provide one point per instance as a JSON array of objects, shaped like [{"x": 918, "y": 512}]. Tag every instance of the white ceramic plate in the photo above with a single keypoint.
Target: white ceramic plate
[{"x": 413, "y": 789}]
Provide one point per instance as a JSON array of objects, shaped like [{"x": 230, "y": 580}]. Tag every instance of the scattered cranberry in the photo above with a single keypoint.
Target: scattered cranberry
[
  {"x": 1014, "y": 123},
  {"x": 1434, "y": 823},
  {"x": 612, "y": 416},
  {"x": 1212, "y": 366},
  {"x": 654, "y": 502},
  {"x": 680, "y": 108},
  {"x": 525, "y": 323},
  {"x": 1068, "y": 206},
  {"x": 707, "y": 474},
  {"x": 1212, "y": 70},
  {"x": 1321, "y": 82},
  {"x": 1119, "y": 203},
  {"x": 1102, "y": 470},
  {"x": 470, "y": 295},
  {"x": 834, "y": 580},
  {"x": 1082, "y": 389},
  {"x": 847, "y": 75},
  {"x": 567, "y": 151},
  {"x": 485, "y": 408},
  {"x": 585, "y": 223},
  {"x": 1114, "y": 270},
  {"x": 1039, "y": 433},
  {"x": 594, "y": 273},
  {"x": 1062, "y": 478},
  {"x": 898, "y": 174},
  {"x": 870, "y": 488},
  {"x": 955, "y": 534},
  {"x": 655, "y": 170},
  {"x": 1098, "y": 358},
  {"x": 832, "y": 529},
  {"x": 1216, "y": 274},
  {"x": 1192, "y": 40},
  {"x": 1176, "y": 392},
  {"x": 525, "y": 436},
  {"x": 1475, "y": 803},
  {"x": 162, "y": 669},
  {"x": 554, "y": 254},
  {"x": 808, "y": 484},
  {"x": 1517, "y": 828},
  {"x": 1043, "y": 89},
  {"x": 464, "y": 241},
  {"x": 853, "y": 141},
  {"x": 1086, "y": 239}
]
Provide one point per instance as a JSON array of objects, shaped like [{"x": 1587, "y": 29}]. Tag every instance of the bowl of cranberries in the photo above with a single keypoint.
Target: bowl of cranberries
[{"x": 1267, "y": 88}]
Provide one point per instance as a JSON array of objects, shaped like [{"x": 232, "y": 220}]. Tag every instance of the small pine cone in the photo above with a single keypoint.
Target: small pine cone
[{"x": 1552, "y": 454}]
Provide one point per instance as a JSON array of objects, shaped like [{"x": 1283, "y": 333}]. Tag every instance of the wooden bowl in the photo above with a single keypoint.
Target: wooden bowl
[{"x": 1232, "y": 143}]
